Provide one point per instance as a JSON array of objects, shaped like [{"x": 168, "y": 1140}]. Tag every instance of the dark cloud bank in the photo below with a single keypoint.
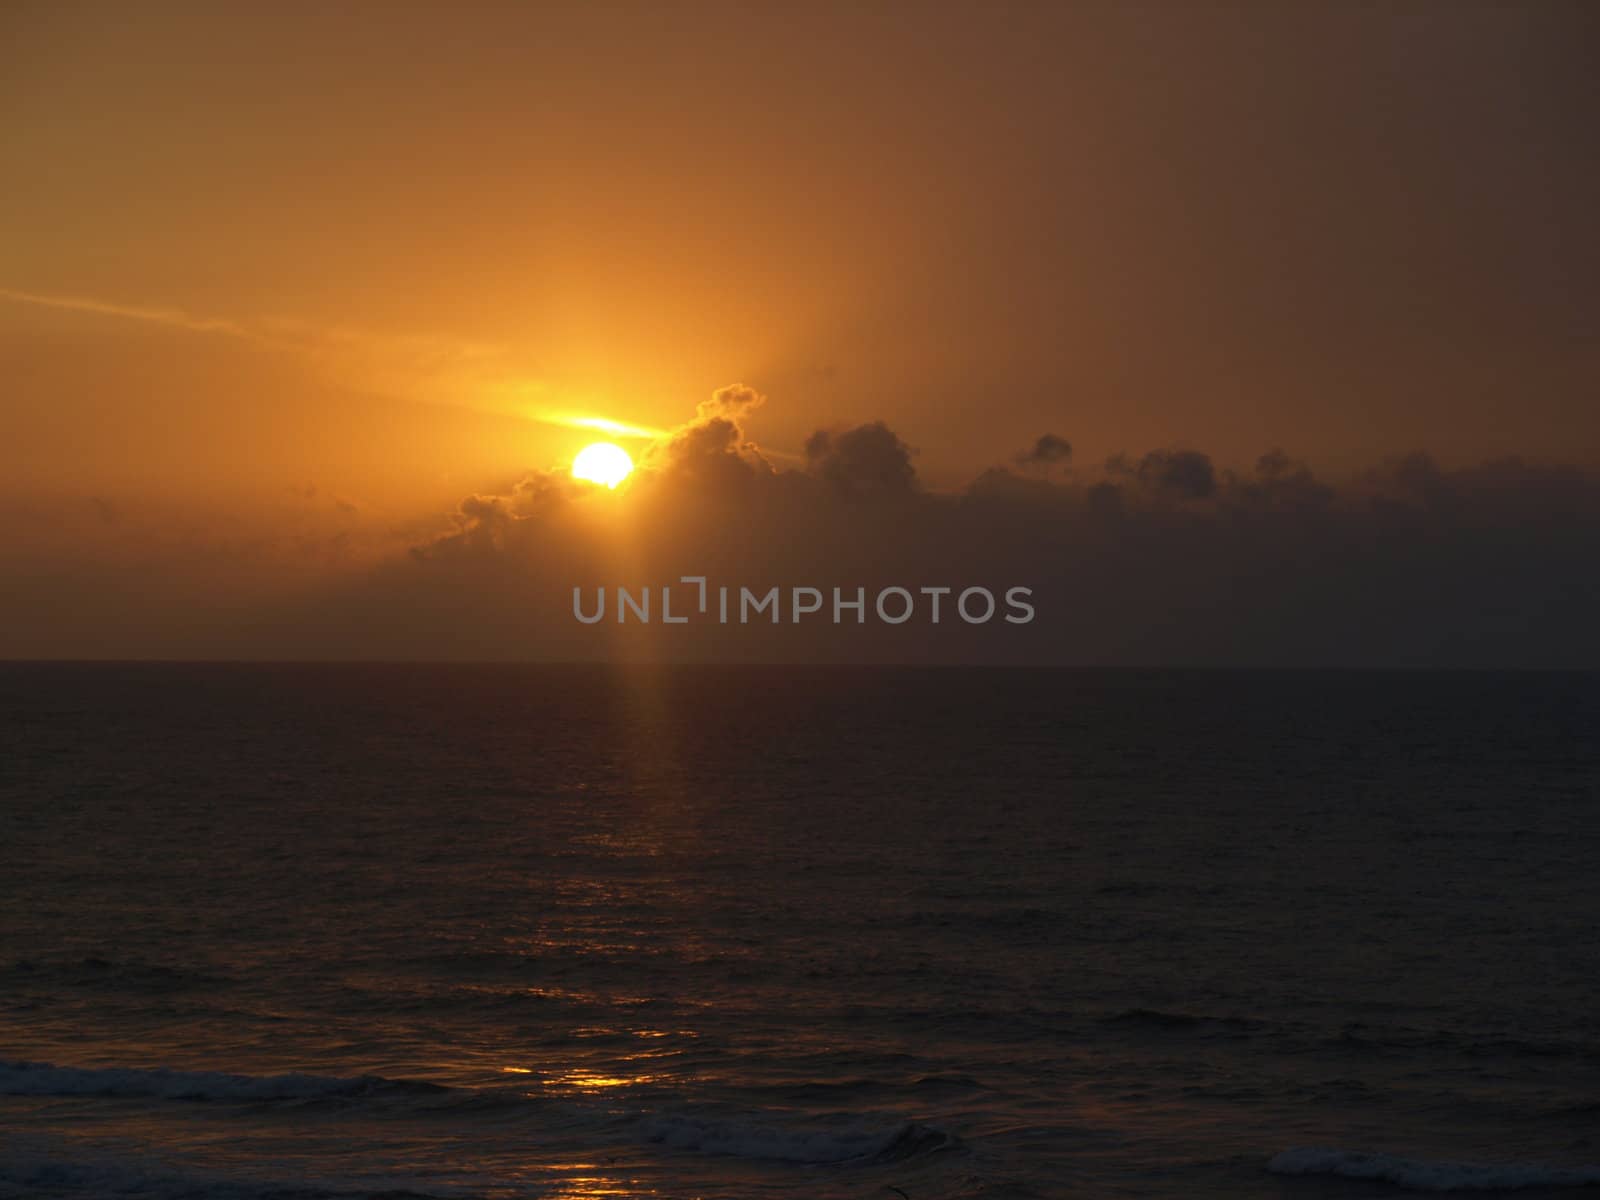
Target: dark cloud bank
[{"x": 1165, "y": 558}]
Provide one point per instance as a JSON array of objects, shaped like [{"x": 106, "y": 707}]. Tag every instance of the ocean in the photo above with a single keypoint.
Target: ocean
[{"x": 824, "y": 933}]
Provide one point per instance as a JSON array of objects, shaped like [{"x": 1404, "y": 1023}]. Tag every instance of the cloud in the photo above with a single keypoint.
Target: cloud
[
  {"x": 712, "y": 451},
  {"x": 1279, "y": 482},
  {"x": 174, "y": 318},
  {"x": 1161, "y": 558},
  {"x": 1176, "y": 474},
  {"x": 491, "y": 524},
  {"x": 869, "y": 460},
  {"x": 424, "y": 367},
  {"x": 732, "y": 403},
  {"x": 1049, "y": 449}
]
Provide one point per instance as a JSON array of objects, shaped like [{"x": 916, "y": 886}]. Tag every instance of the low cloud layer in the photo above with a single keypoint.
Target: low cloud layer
[
  {"x": 1160, "y": 557},
  {"x": 1164, "y": 557}
]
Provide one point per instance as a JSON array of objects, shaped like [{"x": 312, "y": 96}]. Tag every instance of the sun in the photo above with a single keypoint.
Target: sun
[{"x": 604, "y": 463}]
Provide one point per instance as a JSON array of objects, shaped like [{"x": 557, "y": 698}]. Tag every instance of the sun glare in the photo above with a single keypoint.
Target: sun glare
[{"x": 603, "y": 463}]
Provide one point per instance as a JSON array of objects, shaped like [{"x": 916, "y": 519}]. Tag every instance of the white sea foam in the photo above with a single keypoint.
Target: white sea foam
[
  {"x": 1429, "y": 1175},
  {"x": 47, "y": 1079}
]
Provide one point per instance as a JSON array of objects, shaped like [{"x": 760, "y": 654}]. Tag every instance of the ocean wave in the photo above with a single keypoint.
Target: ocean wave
[
  {"x": 1154, "y": 1018},
  {"x": 1359, "y": 1036},
  {"x": 47, "y": 1079},
  {"x": 845, "y": 1092},
  {"x": 749, "y": 1140},
  {"x": 94, "y": 1179},
  {"x": 95, "y": 972},
  {"x": 1426, "y": 1175}
]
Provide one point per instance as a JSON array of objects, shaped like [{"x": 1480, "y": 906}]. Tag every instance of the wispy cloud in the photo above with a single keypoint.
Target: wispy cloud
[
  {"x": 429, "y": 368},
  {"x": 175, "y": 318}
]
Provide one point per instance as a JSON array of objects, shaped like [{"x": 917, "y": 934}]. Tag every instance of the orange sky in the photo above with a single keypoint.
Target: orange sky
[{"x": 287, "y": 269}]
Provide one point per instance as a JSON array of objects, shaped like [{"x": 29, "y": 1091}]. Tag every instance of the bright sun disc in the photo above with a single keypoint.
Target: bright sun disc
[{"x": 602, "y": 463}]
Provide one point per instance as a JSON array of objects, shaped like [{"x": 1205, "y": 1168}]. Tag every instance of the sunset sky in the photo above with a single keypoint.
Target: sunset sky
[{"x": 281, "y": 285}]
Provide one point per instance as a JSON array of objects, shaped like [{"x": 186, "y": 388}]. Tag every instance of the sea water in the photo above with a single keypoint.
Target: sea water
[{"x": 497, "y": 931}]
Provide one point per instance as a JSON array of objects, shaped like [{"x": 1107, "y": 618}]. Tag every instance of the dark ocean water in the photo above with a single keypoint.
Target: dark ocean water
[{"x": 811, "y": 933}]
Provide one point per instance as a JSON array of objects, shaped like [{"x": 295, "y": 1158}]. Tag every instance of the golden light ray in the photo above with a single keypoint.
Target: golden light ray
[{"x": 599, "y": 424}]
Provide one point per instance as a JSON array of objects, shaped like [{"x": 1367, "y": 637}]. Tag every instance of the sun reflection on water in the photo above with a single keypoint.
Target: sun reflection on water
[
  {"x": 577, "y": 1186},
  {"x": 593, "y": 1081}
]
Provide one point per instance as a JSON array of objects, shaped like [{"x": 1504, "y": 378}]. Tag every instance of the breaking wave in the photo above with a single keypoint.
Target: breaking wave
[{"x": 747, "y": 1140}]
